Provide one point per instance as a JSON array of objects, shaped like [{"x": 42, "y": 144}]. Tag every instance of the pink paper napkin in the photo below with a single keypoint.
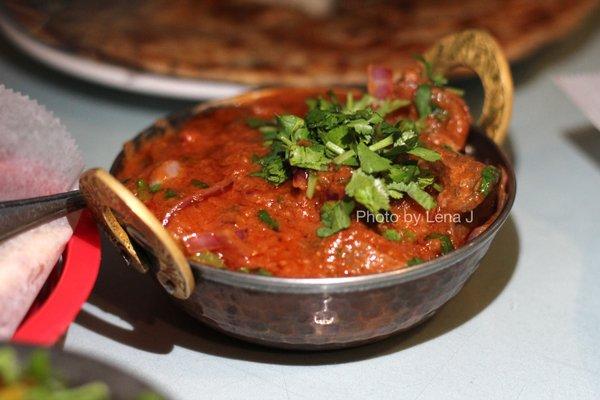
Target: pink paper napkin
[{"x": 37, "y": 157}]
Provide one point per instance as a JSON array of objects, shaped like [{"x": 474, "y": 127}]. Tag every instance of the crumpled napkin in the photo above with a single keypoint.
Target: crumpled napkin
[
  {"x": 37, "y": 157},
  {"x": 584, "y": 91}
]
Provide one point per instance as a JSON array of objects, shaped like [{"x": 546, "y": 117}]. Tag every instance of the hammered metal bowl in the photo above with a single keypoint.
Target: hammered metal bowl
[
  {"x": 329, "y": 313},
  {"x": 313, "y": 314}
]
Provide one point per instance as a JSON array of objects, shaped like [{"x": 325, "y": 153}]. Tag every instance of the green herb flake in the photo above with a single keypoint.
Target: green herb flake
[
  {"x": 273, "y": 169},
  {"x": 386, "y": 107},
  {"x": 199, "y": 184},
  {"x": 208, "y": 258},
  {"x": 489, "y": 177},
  {"x": 437, "y": 79},
  {"x": 254, "y": 122},
  {"x": 370, "y": 161},
  {"x": 141, "y": 184},
  {"x": 426, "y": 154},
  {"x": 445, "y": 241},
  {"x": 405, "y": 235},
  {"x": 335, "y": 217},
  {"x": 392, "y": 234},
  {"x": 423, "y": 100},
  {"x": 311, "y": 184},
  {"x": 368, "y": 191},
  {"x": 263, "y": 271},
  {"x": 312, "y": 157},
  {"x": 423, "y": 198},
  {"x": 155, "y": 187},
  {"x": 414, "y": 261},
  {"x": 264, "y": 216},
  {"x": 170, "y": 193}
]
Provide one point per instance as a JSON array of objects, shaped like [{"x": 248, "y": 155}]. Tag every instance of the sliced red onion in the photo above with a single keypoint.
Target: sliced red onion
[
  {"x": 197, "y": 197},
  {"x": 198, "y": 242},
  {"x": 381, "y": 83}
]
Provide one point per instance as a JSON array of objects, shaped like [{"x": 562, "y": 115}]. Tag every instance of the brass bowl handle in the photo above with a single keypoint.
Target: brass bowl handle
[
  {"x": 136, "y": 231},
  {"x": 479, "y": 51}
]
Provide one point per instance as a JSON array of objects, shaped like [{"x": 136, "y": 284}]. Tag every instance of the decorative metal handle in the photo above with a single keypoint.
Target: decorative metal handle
[
  {"x": 17, "y": 216},
  {"x": 136, "y": 231},
  {"x": 479, "y": 51}
]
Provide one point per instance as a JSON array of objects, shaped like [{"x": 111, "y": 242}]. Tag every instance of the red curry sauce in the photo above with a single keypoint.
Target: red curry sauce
[{"x": 217, "y": 147}]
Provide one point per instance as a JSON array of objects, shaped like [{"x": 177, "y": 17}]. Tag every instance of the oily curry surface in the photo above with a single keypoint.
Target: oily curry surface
[{"x": 201, "y": 182}]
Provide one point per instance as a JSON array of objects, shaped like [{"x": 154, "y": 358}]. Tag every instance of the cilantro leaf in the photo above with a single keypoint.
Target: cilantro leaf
[
  {"x": 403, "y": 173},
  {"x": 199, "y": 184},
  {"x": 170, "y": 193},
  {"x": 392, "y": 235},
  {"x": 335, "y": 135},
  {"x": 445, "y": 241},
  {"x": 273, "y": 169},
  {"x": 335, "y": 217},
  {"x": 370, "y": 161},
  {"x": 368, "y": 191},
  {"x": 489, "y": 177},
  {"x": 312, "y": 157},
  {"x": 361, "y": 126},
  {"x": 425, "y": 153},
  {"x": 208, "y": 258},
  {"x": 254, "y": 122},
  {"x": 437, "y": 79},
  {"x": 408, "y": 137},
  {"x": 423, "y": 100},
  {"x": 423, "y": 198},
  {"x": 414, "y": 261},
  {"x": 386, "y": 107},
  {"x": 269, "y": 221}
]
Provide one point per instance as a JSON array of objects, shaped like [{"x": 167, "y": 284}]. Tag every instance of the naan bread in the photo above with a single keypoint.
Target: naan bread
[{"x": 276, "y": 42}]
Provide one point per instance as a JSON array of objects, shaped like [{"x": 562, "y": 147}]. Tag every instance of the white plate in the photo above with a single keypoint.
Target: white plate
[{"x": 118, "y": 76}]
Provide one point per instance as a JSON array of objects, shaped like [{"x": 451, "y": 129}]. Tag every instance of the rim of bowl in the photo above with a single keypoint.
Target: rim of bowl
[{"x": 334, "y": 284}]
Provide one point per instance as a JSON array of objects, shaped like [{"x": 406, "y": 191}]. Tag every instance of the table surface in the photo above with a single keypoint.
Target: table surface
[{"x": 526, "y": 325}]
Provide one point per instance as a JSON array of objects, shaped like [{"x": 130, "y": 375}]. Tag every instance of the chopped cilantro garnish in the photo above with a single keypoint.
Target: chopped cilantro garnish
[
  {"x": 423, "y": 100},
  {"x": 395, "y": 236},
  {"x": 155, "y": 187},
  {"x": 445, "y": 241},
  {"x": 370, "y": 161},
  {"x": 425, "y": 153},
  {"x": 208, "y": 258},
  {"x": 199, "y": 184},
  {"x": 308, "y": 157},
  {"x": 437, "y": 79},
  {"x": 266, "y": 218},
  {"x": 414, "y": 261},
  {"x": 141, "y": 184},
  {"x": 404, "y": 173},
  {"x": 273, "y": 169},
  {"x": 392, "y": 234},
  {"x": 424, "y": 199},
  {"x": 311, "y": 184},
  {"x": 143, "y": 191},
  {"x": 263, "y": 271},
  {"x": 254, "y": 122},
  {"x": 489, "y": 177},
  {"x": 354, "y": 133},
  {"x": 335, "y": 216},
  {"x": 255, "y": 270},
  {"x": 368, "y": 191},
  {"x": 170, "y": 193}
]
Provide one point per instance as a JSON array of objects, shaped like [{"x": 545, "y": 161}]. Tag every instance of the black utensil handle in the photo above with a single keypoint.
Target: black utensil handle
[{"x": 19, "y": 215}]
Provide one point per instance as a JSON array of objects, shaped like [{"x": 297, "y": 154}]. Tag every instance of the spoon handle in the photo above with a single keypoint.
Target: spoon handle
[{"x": 19, "y": 215}]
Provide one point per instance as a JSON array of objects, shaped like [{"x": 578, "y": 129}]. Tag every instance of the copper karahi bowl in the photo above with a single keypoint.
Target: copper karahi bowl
[{"x": 323, "y": 313}]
